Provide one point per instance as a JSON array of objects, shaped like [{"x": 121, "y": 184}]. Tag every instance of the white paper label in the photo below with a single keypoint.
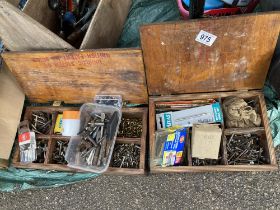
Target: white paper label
[{"x": 205, "y": 38}]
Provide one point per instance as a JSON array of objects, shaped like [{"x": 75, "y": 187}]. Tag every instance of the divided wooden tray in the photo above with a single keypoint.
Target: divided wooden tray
[
  {"x": 263, "y": 132},
  {"x": 51, "y": 140}
]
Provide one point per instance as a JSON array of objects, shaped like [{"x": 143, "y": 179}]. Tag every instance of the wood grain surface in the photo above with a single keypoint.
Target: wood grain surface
[
  {"x": 238, "y": 59},
  {"x": 13, "y": 2},
  {"x": 39, "y": 10},
  {"x": 77, "y": 76},
  {"x": 107, "y": 24},
  {"x": 19, "y": 31}
]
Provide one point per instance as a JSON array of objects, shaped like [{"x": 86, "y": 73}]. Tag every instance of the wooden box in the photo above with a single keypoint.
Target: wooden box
[
  {"x": 39, "y": 22},
  {"x": 75, "y": 77},
  {"x": 179, "y": 68}
]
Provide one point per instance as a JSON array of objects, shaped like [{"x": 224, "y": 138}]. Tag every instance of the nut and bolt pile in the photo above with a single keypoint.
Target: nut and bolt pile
[
  {"x": 41, "y": 151},
  {"x": 126, "y": 156},
  {"x": 41, "y": 122},
  {"x": 245, "y": 149},
  {"x": 97, "y": 138},
  {"x": 130, "y": 128},
  {"x": 59, "y": 152},
  {"x": 205, "y": 162}
]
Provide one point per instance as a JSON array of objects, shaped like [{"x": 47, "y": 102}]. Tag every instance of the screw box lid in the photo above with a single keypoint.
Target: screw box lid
[
  {"x": 238, "y": 59},
  {"x": 77, "y": 76}
]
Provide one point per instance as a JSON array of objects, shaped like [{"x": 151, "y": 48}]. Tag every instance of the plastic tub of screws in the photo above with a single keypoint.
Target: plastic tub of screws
[{"x": 92, "y": 149}]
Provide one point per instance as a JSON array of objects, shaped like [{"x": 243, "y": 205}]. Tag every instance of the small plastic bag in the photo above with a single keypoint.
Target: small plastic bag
[
  {"x": 169, "y": 146},
  {"x": 111, "y": 100},
  {"x": 27, "y": 143}
]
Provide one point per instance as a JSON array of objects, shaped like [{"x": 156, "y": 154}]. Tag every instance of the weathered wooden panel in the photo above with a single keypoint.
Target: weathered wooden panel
[
  {"x": 77, "y": 76},
  {"x": 238, "y": 59},
  {"x": 11, "y": 104},
  {"x": 13, "y": 2},
  {"x": 19, "y": 31},
  {"x": 107, "y": 24},
  {"x": 39, "y": 10}
]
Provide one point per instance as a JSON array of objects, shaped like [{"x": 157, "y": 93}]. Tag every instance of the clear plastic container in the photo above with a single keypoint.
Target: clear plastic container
[{"x": 75, "y": 155}]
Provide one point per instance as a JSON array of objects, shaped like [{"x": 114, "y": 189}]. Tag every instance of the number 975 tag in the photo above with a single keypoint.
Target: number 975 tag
[{"x": 205, "y": 38}]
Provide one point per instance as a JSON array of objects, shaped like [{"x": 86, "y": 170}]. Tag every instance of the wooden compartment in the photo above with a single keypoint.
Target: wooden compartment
[
  {"x": 113, "y": 72},
  {"x": 52, "y": 139},
  {"x": 179, "y": 68},
  {"x": 223, "y": 166}
]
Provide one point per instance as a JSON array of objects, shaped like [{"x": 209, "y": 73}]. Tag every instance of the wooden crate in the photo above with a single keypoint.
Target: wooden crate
[
  {"x": 105, "y": 28},
  {"x": 76, "y": 77},
  {"x": 37, "y": 22},
  {"x": 180, "y": 68}
]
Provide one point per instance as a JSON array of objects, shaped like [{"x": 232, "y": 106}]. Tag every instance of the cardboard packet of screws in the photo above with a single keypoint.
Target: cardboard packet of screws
[
  {"x": 92, "y": 149},
  {"x": 245, "y": 149}
]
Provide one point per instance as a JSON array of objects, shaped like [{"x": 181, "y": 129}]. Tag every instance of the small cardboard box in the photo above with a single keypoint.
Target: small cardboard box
[
  {"x": 180, "y": 68},
  {"x": 75, "y": 77}
]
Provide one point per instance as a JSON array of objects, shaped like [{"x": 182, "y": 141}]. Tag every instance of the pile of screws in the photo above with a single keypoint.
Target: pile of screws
[
  {"x": 41, "y": 122},
  {"x": 205, "y": 162},
  {"x": 130, "y": 128},
  {"x": 59, "y": 152},
  {"x": 126, "y": 156},
  {"x": 41, "y": 151},
  {"x": 245, "y": 149},
  {"x": 97, "y": 138}
]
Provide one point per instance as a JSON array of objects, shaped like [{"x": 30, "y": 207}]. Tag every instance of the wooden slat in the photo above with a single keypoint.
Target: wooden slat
[
  {"x": 11, "y": 104},
  {"x": 239, "y": 58},
  {"x": 39, "y": 10},
  {"x": 77, "y": 76},
  {"x": 13, "y": 2},
  {"x": 19, "y": 31},
  {"x": 269, "y": 141},
  {"x": 216, "y": 168},
  {"x": 107, "y": 24}
]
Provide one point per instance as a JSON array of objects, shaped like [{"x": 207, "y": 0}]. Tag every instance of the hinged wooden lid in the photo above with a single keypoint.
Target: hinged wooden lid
[
  {"x": 77, "y": 76},
  {"x": 239, "y": 58}
]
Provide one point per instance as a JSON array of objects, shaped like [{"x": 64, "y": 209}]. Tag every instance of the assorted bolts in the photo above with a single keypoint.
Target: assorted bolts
[
  {"x": 96, "y": 141},
  {"x": 245, "y": 150},
  {"x": 130, "y": 128},
  {"x": 126, "y": 156},
  {"x": 41, "y": 122},
  {"x": 59, "y": 152},
  {"x": 205, "y": 162},
  {"x": 41, "y": 151},
  {"x": 94, "y": 149}
]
